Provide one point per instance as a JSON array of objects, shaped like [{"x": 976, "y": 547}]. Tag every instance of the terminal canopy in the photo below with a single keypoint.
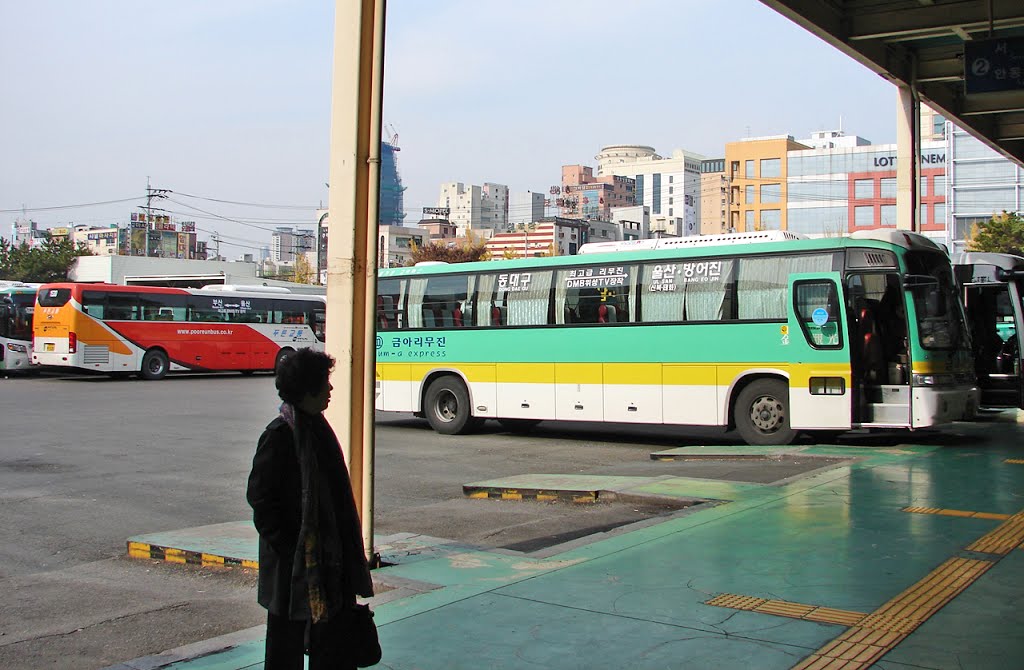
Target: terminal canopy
[{"x": 966, "y": 59}]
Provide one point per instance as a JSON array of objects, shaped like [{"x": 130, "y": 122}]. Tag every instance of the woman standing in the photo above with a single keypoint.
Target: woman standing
[{"x": 312, "y": 561}]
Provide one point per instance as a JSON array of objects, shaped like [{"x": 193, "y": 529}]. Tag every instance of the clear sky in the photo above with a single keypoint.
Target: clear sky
[{"x": 230, "y": 99}]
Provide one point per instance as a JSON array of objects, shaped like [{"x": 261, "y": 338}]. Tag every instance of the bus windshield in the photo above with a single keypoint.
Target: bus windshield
[
  {"x": 16, "y": 316},
  {"x": 940, "y": 318}
]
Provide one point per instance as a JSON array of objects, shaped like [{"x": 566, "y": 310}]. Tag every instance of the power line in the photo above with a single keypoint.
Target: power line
[
  {"x": 56, "y": 207},
  {"x": 247, "y": 204}
]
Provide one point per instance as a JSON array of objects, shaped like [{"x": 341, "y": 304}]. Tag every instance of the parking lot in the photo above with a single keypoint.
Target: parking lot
[{"x": 89, "y": 461}]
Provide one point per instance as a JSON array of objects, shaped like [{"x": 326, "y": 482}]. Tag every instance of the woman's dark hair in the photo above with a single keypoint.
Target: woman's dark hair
[{"x": 303, "y": 373}]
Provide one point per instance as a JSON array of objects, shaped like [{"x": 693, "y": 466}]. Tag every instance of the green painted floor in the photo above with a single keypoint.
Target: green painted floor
[{"x": 835, "y": 538}]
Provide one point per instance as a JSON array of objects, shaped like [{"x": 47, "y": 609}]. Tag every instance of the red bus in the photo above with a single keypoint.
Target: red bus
[{"x": 151, "y": 331}]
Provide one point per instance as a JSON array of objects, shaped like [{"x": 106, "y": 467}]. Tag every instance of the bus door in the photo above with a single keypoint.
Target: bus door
[
  {"x": 994, "y": 314},
  {"x": 818, "y": 350}
]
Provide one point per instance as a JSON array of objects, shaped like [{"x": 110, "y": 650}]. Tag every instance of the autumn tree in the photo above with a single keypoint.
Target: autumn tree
[
  {"x": 47, "y": 263},
  {"x": 469, "y": 250},
  {"x": 305, "y": 273},
  {"x": 1004, "y": 233}
]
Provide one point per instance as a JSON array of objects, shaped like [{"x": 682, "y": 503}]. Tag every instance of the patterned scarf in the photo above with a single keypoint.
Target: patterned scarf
[{"x": 330, "y": 559}]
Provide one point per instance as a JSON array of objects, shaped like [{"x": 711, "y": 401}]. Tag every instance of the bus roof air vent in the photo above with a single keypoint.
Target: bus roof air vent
[{"x": 871, "y": 258}]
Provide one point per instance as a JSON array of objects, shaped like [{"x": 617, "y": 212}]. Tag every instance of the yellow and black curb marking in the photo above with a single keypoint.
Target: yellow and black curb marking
[
  {"x": 496, "y": 493},
  {"x": 172, "y": 555},
  {"x": 787, "y": 609}
]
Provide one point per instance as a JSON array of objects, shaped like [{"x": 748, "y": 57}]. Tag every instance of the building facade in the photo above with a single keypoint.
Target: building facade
[
  {"x": 756, "y": 168},
  {"x": 714, "y": 197},
  {"x": 474, "y": 207},
  {"x": 287, "y": 243},
  {"x": 831, "y": 192},
  {"x": 671, "y": 187},
  {"x": 392, "y": 198},
  {"x": 981, "y": 184},
  {"x": 395, "y": 245},
  {"x": 525, "y": 207},
  {"x": 554, "y": 236},
  {"x": 584, "y": 196}
]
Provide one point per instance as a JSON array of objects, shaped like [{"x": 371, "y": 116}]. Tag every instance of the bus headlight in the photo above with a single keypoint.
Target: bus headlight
[
  {"x": 934, "y": 380},
  {"x": 20, "y": 348}
]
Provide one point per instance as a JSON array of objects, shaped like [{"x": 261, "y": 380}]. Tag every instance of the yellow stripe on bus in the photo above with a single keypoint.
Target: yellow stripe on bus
[{"x": 643, "y": 374}]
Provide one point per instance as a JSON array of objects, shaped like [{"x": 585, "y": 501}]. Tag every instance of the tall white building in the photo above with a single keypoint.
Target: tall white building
[
  {"x": 475, "y": 207},
  {"x": 286, "y": 243},
  {"x": 669, "y": 186},
  {"x": 525, "y": 207}
]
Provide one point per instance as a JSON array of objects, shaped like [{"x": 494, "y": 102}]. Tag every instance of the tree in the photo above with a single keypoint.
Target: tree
[
  {"x": 1004, "y": 233},
  {"x": 305, "y": 273},
  {"x": 470, "y": 250},
  {"x": 49, "y": 263}
]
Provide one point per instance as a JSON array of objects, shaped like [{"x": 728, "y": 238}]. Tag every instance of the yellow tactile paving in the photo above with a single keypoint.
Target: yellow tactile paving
[
  {"x": 783, "y": 608},
  {"x": 787, "y": 609},
  {"x": 878, "y": 632},
  {"x": 736, "y": 602},
  {"x": 956, "y": 512},
  {"x": 1003, "y": 539},
  {"x": 1018, "y": 461}
]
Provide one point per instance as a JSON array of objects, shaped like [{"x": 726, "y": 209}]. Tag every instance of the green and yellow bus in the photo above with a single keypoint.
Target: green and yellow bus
[
  {"x": 764, "y": 333},
  {"x": 993, "y": 285}
]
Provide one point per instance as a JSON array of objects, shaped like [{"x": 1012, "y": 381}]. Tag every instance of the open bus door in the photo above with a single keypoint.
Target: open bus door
[
  {"x": 818, "y": 347},
  {"x": 994, "y": 313}
]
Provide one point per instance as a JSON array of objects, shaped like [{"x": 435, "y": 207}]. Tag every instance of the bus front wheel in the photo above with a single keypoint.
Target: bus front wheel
[
  {"x": 762, "y": 413},
  {"x": 446, "y": 406},
  {"x": 154, "y": 365}
]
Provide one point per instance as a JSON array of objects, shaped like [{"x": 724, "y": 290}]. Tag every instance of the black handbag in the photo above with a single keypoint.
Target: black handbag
[{"x": 365, "y": 645}]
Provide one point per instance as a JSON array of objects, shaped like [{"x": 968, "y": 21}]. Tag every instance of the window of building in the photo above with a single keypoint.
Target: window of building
[
  {"x": 656, "y": 192},
  {"x": 889, "y": 187},
  {"x": 771, "y": 219},
  {"x": 771, "y": 193},
  {"x": 888, "y": 216},
  {"x": 670, "y": 180},
  {"x": 864, "y": 216},
  {"x": 748, "y": 169},
  {"x": 771, "y": 167},
  {"x": 864, "y": 189},
  {"x": 748, "y": 194},
  {"x": 748, "y": 219}
]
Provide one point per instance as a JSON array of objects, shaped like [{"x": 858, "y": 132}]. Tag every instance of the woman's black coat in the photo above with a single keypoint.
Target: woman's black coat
[{"x": 275, "y": 494}]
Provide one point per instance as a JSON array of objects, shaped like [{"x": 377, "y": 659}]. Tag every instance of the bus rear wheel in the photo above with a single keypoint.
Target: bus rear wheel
[
  {"x": 154, "y": 365},
  {"x": 446, "y": 406},
  {"x": 762, "y": 413}
]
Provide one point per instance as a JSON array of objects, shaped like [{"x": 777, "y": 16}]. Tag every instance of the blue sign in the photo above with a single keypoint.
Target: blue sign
[
  {"x": 819, "y": 316},
  {"x": 994, "y": 65}
]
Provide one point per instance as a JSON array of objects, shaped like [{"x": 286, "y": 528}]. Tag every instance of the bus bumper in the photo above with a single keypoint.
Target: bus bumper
[{"x": 939, "y": 405}]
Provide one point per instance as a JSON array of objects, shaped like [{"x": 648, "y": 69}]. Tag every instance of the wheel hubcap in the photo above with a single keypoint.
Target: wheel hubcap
[
  {"x": 447, "y": 407},
  {"x": 767, "y": 414}
]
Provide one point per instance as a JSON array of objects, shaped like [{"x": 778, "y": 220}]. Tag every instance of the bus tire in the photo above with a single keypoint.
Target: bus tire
[
  {"x": 284, "y": 353},
  {"x": 518, "y": 425},
  {"x": 761, "y": 413},
  {"x": 446, "y": 406},
  {"x": 154, "y": 365}
]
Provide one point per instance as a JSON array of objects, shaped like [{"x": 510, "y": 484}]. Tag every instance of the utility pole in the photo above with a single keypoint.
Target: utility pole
[
  {"x": 150, "y": 194},
  {"x": 215, "y": 242}
]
